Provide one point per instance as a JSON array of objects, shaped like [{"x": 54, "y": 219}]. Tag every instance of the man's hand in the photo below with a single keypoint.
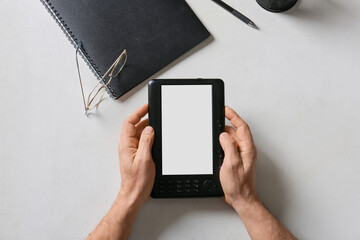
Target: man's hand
[
  {"x": 136, "y": 165},
  {"x": 237, "y": 174},
  {"x": 137, "y": 178},
  {"x": 237, "y": 177}
]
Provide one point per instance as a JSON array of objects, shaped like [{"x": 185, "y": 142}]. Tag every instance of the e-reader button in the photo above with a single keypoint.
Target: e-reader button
[
  {"x": 220, "y": 125},
  {"x": 209, "y": 185}
]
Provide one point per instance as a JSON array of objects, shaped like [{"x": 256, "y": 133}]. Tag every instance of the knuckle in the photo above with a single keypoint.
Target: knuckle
[
  {"x": 230, "y": 142},
  {"x": 244, "y": 128},
  {"x": 231, "y": 162},
  {"x": 124, "y": 124},
  {"x": 234, "y": 163}
]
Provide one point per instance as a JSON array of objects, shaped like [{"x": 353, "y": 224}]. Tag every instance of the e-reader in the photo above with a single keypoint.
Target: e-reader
[{"x": 188, "y": 116}]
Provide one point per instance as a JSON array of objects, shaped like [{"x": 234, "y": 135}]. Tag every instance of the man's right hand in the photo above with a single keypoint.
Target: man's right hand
[
  {"x": 237, "y": 177},
  {"x": 237, "y": 174}
]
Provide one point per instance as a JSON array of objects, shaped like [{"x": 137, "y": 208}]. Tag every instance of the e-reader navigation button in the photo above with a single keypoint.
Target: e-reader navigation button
[
  {"x": 209, "y": 185},
  {"x": 220, "y": 125}
]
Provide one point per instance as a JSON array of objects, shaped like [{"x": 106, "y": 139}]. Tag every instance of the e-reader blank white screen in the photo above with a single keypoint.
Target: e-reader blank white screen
[{"x": 186, "y": 119}]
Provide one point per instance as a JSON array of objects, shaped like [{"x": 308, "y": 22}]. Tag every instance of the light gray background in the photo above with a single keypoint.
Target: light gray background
[{"x": 296, "y": 82}]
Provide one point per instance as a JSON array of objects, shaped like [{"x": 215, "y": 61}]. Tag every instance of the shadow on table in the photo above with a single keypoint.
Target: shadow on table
[
  {"x": 271, "y": 185},
  {"x": 327, "y": 12}
]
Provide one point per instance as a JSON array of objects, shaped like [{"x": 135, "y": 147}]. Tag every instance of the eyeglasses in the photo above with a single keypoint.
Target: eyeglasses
[{"x": 97, "y": 93}]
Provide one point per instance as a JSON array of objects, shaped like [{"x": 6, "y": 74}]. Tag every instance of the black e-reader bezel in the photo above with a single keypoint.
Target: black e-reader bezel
[{"x": 177, "y": 186}]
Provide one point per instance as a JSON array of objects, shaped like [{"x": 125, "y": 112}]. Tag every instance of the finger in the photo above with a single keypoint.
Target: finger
[
  {"x": 138, "y": 115},
  {"x": 246, "y": 146},
  {"x": 243, "y": 137},
  {"x": 230, "y": 148},
  {"x": 140, "y": 127},
  {"x": 128, "y": 138},
  {"x": 243, "y": 133},
  {"x": 145, "y": 144},
  {"x": 231, "y": 131},
  {"x": 234, "y": 118}
]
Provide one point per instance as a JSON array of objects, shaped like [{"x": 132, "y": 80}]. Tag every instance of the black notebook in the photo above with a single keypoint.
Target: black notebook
[{"x": 154, "y": 33}]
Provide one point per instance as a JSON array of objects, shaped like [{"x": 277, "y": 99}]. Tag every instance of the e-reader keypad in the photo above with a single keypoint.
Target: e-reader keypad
[{"x": 180, "y": 186}]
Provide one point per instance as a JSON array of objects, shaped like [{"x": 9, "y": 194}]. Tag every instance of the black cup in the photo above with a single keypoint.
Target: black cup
[{"x": 276, "y": 5}]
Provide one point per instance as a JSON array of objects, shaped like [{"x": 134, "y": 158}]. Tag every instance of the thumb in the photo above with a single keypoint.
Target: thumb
[
  {"x": 230, "y": 148},
  {"x": 145, "y": 143}
]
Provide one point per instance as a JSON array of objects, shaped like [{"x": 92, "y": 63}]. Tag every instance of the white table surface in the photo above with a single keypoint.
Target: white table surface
[{"x": 296, "y": 82}]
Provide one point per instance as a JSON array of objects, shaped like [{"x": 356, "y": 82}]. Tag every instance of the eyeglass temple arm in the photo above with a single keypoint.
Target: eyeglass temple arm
[{"x": 79, "y": 44}]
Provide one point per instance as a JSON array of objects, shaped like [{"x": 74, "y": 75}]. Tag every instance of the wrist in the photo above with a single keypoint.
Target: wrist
[
  {"x": 124, "y": 207},
  {"x": 128, "y": 200},
  {"x": 246, "y": 206}
]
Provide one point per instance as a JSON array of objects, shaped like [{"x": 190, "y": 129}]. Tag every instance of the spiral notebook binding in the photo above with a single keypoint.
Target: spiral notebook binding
[{"x": 73, "y": 40}]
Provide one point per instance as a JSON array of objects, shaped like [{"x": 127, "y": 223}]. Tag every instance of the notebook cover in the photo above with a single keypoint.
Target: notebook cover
[{"x": 154, "y": 33}]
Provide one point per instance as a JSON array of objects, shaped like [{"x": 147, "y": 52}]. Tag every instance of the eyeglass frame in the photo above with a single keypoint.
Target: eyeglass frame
[{"x": 111, "y": 75}]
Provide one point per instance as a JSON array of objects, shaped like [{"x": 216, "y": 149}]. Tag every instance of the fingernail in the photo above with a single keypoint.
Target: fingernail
[
  {"x": 224, "y": 135},
  {"x": 148, "y": 130}
]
